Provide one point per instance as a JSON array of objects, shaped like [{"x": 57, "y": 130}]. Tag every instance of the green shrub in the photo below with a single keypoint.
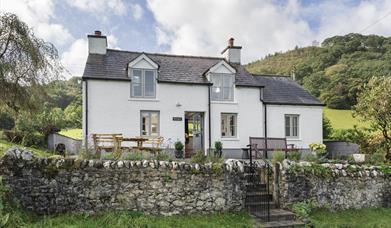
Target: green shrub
[
  {"x": 6, "y": 121},
  {"x": 163, "y": 156},
  {"x": 133, "y": 156},
  {"x": 376, "y": 158},
  {"x": 278, "y": 156},
  {"x": 214, "y": 159},
  {"x": 25, "y": 138},
  {"x": 304, "y": 209},
  {"x": 310, "y": 157},
  {"x": 199, "y": 158},
  {"x": 294, "y": 155},
  {"x": 178, "y": 145}
]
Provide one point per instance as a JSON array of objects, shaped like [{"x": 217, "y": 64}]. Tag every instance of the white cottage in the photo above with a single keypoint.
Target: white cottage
[{"x": 195, "y": 99}]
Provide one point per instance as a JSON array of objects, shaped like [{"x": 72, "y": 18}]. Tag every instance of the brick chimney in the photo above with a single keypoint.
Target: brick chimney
[
  {"x": 232, "y": 52},
  {"x": 97, "y": 44}
]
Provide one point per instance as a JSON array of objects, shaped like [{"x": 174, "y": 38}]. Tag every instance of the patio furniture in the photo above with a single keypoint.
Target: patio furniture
[
  {"x": 105, "y": 142},
  {"x": 139, "y": 141},
  {"x": 155, "y": 142},
  {"x": 258, "y": 144}
]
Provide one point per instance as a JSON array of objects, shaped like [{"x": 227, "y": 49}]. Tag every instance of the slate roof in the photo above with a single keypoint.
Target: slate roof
[
  {"x": 191, "y": 70},
  {"x": 172, "y": 68},
  {"x": 283, "y": 90}
]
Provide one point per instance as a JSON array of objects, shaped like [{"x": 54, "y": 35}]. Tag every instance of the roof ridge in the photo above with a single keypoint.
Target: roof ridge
[{"x": 169, "y": 55}]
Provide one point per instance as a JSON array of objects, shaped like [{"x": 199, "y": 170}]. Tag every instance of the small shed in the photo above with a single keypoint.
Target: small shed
[{"x": 63, "y": 144}]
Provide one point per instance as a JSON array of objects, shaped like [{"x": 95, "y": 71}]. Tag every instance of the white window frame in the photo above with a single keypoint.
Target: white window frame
[
  {"x": 150, "y": 123},
  {"x": 143, "y": 83},
  {"x": 221, "y": 76},
  {"x": 291, "y": 126},
  {"x": 227, "y": 116}
]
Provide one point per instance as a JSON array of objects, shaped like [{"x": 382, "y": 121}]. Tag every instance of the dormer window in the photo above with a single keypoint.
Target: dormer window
[
  {"x": 223, "y": 87},
  {"x": 143, "y": 73},
  {"x": 143, "y": 83}
]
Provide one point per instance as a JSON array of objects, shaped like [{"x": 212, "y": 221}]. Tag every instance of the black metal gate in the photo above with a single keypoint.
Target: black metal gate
[{"x": 259, "y": 187}]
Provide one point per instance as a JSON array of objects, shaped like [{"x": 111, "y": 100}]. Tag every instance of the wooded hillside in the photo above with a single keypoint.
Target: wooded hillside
[{"x": 335, "y": 71}]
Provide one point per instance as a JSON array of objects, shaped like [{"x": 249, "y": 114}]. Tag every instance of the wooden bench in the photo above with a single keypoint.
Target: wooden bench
[
  {"x": 259, "y": 144},
  {"x": 105, "y": 142},
  {"x": 155, "y": 142}
]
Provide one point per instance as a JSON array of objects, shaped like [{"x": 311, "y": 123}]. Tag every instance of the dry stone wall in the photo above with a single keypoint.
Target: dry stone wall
[
  {"x": 339, "y": 186},
  {"x": 51, "y": 186}
]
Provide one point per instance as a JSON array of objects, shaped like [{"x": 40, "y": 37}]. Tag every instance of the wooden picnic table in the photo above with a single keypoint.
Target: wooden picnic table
[{"x": 138, "y": 140}]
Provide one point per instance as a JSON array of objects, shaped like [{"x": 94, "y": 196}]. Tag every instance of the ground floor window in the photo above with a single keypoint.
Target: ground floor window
[
  {"x": 149, "y": 123},
  {"x": 228, "y": 125},
  {"x": 292, "y": 126}
]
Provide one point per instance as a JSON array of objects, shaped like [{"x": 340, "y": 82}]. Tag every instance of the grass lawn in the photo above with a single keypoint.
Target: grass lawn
[
  {"x": 132, "y": 219},
  {"x": 5, "y": 145},
  {"x": 343, "y": 119},
  {"x": 75, "y": 133},
  {"x": 374, "y": 217}
]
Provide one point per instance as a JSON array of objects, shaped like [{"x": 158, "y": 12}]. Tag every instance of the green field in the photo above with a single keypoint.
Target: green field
[
  {"x": 373, "y": 217},
  {"x": 75, "y": 133},
  {"x": 343, "y": 119}
]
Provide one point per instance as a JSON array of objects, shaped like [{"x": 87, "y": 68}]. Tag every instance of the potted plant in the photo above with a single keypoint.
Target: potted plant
[
  {"x": 178, "y": 149},
  {"x": 319, "y": 150},
  {"x": 218, "y": 149}
]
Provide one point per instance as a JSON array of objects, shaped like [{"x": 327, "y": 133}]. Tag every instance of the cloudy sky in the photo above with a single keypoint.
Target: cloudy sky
[{"x": 197, "y": 27}]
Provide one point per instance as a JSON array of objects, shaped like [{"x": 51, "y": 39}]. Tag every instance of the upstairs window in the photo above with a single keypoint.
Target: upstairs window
[
  {"x": 223, "y": 87},
  {"x": 143, "y": 83},
  {"x": 292, "y": 126}
]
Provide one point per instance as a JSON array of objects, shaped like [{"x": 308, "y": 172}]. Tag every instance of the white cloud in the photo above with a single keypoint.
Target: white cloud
[
  {"x": 75, "y": 57},
  {"x": 37, "y": 14},
  {"x": 203, "y": 27},
  {"x": 99, "y": 6},
  {"x": 368, "y": 17},
  {"x": 137, "y": 11},
  {"x": 261, "y": 27}
]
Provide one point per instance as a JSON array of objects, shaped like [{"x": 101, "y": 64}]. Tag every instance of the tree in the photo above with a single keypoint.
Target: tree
[
  {"x": 26, "y": 63},
  {"x": 327, "y": 128},
  {"x": 374, "y": 105}
]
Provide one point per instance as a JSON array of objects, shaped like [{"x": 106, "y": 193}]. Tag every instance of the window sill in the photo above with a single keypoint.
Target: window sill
[
  {"x": 143, "y": 99},
  {"x": 229, "y": 139},
  {"x": 293, "y": 139},
  {"x": 224, "y": 102}
]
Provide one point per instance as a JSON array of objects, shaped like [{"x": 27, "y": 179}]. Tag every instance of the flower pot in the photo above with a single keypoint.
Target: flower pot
[
  {"x": 359, "y": 158},
  {"x": 178, "y": 153}
]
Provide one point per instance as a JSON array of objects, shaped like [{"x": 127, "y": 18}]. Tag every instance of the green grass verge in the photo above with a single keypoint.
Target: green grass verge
[
  {"x": 5, "y": 145},
  {"x": 343, "y": 119},
  {"x": 134, "y": 219},
  {"x": 75, "y": 133},
  {"x": 372, "y": 217}
]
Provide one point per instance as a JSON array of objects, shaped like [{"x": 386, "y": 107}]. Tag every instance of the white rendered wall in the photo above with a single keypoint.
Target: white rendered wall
[
  {"x": 248, "y": 107},
  {"x": 97, "y": 45},
  {"x": 310, "y": 123},
  {"x": 111, "y": 110}
]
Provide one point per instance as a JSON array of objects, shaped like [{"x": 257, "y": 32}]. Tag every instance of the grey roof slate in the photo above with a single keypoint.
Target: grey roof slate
[
  {"x": 283, "y": 90},
  {"x": 172, "y": 68},
  {"x": 192, "y": 69}
]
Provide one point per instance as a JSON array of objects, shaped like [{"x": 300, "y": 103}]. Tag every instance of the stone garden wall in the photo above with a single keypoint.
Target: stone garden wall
[
  {"x": 339, "y": 186},
  {"x": 50, "y": 186}
]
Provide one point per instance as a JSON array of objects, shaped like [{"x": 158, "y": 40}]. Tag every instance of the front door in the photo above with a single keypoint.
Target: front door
[{"x": 194, "y": 132}]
